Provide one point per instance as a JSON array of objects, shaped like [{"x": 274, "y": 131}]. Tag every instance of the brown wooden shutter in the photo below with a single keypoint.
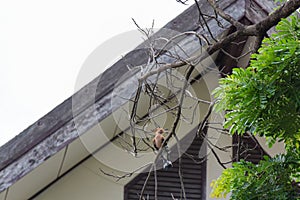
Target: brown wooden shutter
[
  {"x": 247, "y": 148},
  {"x": 169, "y": 181}
]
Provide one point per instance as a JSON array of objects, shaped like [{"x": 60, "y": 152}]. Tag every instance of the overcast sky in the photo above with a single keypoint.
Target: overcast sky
[{"x": 43, "y": 45}]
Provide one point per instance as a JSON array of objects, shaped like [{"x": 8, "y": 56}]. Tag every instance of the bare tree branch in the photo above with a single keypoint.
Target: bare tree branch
[
  {"x": 148, "y": 82},
  {"x": 119, "y": 177},
  {"x": 202, "y": 125},
  {"x": 227, "y": 17},
  {"x": 179, "y": 168}
]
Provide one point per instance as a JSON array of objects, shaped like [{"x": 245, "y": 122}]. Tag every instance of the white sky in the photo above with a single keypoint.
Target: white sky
[{"x": 44, "y": 43}]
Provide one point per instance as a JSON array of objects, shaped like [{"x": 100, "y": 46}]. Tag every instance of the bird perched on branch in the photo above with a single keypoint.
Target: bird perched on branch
[
  {"x": 158, "y": 139},
  {"x": 158, "y": 143}
]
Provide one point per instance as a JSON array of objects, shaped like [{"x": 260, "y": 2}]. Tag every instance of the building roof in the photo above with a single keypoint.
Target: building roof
[{"x": 58, "y": 129}]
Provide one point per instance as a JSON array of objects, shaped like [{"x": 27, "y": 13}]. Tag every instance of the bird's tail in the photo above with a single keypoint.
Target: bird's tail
[{"x": 165, "y": 154}]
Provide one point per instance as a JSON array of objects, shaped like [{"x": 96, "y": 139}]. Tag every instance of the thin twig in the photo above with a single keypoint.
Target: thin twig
[
  {"x": 204, "y": 20},
  {"x": 204, "y": 121},
  {"x": 216, "y": 156},
  {"x": 179, "y": 167},
  {"x": 119, "y": 177},
  {"x": 227, "y": 17}
]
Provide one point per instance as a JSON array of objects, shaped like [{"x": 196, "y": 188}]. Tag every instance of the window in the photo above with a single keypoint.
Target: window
[{"x": 193, "y": 172}]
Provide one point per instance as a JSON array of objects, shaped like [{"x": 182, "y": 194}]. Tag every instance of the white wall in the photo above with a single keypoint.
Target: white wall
[{"x": 84, "y": 182}]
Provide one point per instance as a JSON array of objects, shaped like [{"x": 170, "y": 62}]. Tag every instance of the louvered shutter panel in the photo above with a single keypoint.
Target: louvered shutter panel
[
  {"x": 248, "y": 149},
  {"x": 169, "y": 181}
]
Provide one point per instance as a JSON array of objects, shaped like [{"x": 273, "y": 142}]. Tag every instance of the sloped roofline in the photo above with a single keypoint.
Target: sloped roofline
[{"x": 59, "y": 123}]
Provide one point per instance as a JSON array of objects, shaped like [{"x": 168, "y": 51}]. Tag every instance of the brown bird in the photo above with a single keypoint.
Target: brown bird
[
  {"x": 158, "y": 139},
  {"x": 158, "y": 142}
]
